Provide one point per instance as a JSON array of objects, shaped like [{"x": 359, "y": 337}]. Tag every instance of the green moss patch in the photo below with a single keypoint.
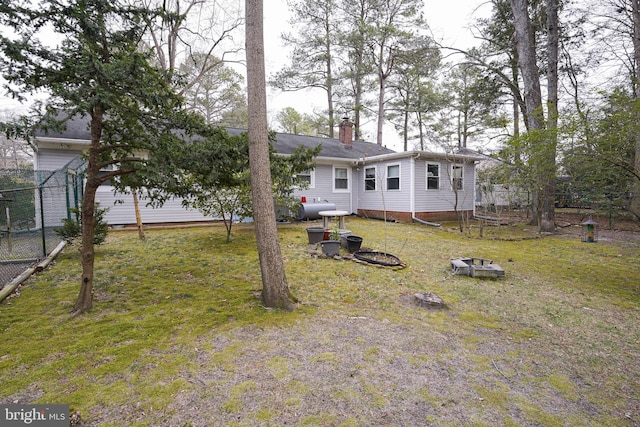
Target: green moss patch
[{"x": 178, "y": 323}]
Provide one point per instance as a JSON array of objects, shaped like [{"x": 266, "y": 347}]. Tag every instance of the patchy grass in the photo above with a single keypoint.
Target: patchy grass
[{"x": 178, "y": 335}]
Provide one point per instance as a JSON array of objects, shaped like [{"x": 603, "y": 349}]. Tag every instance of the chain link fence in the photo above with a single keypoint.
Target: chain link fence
[{"x": 32, "y": 204}]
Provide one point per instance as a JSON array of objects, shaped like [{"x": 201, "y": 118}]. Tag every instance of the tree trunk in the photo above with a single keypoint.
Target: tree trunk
[
  {"x": 551, "y": 140},
  {"x": 87, "y": 252},
  {"x": 525, "y": 45},
  {"x": 420, "y": 130},
  {"x": 358, "y": 67},
  {"x": 635, "y": 12},
  {"x": 405, "y": 126},
  {"x": 516, "y": 118},
  {"x": 382, "y": 86},
  {"x": 357, "y": 134},
  {"x": 545, "y": 150},
  {"x": 331, "y": 112},
  {"x": 275, "y": 291}
]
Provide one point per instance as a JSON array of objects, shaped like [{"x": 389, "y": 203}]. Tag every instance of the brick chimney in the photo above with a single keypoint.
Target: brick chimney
[{"x": 346, "y": 132}]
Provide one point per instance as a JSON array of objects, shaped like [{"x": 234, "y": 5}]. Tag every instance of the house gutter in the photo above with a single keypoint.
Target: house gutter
[
  {"x": 416, "y": 155},
  {"x": 63, "y": 143}
]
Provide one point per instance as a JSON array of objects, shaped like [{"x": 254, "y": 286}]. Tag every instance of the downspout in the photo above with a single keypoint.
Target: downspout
[
  {"x": 355, "y": 185},
  {"x": 412, "y": 182},
  {"x": 475, "y": 188},
  {"x": 412, "y": 192},
  {"x": 432, "y": 224}
]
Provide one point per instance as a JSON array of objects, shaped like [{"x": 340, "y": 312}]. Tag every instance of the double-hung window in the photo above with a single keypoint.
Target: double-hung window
[
  {"x": 393, "y": 177},
  {"x": 370, "y": 179},
  {"x": 305, "y": 179},
  {"x": 433, "y": 176},
  {"x": 340, "y": 179}
]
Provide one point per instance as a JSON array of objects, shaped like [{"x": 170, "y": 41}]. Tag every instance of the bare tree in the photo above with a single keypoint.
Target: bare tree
[
  {"x": 635, "y": 13},
  {"x": 551, "y": 141},
  {"x": 219, "y": 95},
  {"x": 196, "y": 32},
  {"x": 617, "y": 23},
  {"x": 312, "y": 62},
  {"x": 391, "y": 31},
  {"x": 14, "y": 152},
  {"x": 275, "y": 291},
  {"x": 355, "y": 68}
]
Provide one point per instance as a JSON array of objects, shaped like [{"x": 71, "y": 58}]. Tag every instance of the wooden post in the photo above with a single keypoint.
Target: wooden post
[
  {"x": 9, "y": 243},
  {"x": 136, "y": 205}
]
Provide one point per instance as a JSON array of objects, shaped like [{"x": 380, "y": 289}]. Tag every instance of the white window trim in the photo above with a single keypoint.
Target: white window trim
[
  {"x": 451, "y": 181},
  {"x": 426, "y": 176},
  {"x": 312, "y": 179},
  {"x": 386, "y": 179},
  {"x": 333, "y": 180},
  {"x": 375, "y": 178}
]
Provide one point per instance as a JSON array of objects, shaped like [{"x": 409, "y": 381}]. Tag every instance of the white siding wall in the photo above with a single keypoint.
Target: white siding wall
[
  {"x": 440, "y": 200},
  {"x": 124, "y": 213},
  {"x": 323, "y": 188},
  {"x": 51, "y": 160},
  {"x": 119, "y": 213},
  {"x": 443, "y": 199},
  {"x": 381, "y": 198},
  {"x": 53, "y": 198}
]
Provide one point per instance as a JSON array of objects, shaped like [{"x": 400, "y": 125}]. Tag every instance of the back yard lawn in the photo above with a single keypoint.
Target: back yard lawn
[{"x": 178, "y": 336}]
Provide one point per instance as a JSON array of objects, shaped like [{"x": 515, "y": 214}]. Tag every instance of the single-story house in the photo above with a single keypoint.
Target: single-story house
[{"x": 359, "y": 177}]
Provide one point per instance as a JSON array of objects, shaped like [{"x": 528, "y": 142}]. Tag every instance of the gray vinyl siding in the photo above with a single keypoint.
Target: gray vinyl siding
[
  {"x": 119, "y": 213},
  {"x": 443, "y": 199},
  {"x": 381, "y": 198},
  {"x": 123, "y": 213},
  {"x": 412, "y": 196},
  {"x": 323, "y": 188},
  {"x": 51, "y": 160},
  {"x": 54, "y": 203}
]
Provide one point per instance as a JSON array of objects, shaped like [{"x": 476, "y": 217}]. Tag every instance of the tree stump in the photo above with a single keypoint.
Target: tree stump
[{"x": 428, "y": 300}]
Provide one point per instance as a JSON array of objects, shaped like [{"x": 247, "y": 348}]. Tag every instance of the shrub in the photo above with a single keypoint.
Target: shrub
[{"x": 73, "y": 228}]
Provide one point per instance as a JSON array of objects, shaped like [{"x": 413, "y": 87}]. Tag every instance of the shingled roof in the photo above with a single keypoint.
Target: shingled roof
[
  {"x": 77, "y": 129},
  {"x": 287, "y": 143}
]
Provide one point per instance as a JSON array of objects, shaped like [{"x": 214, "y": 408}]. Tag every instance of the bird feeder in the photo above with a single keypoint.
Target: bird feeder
[{"x": 590, "y": 231}]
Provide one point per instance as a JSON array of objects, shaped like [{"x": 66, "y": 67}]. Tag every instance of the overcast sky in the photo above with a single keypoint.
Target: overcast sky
[{"x": 449, "y": 21}]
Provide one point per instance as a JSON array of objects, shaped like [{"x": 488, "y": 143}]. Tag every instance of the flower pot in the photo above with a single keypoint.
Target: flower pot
[
  {"x": 354, "y": 243},
  {"x": 343, "y": 237},
  {"x": 315, "y": 234},
  {"x": 330, "y": 248}
]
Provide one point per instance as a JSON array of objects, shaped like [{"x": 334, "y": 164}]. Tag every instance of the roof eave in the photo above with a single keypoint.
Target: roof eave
[
  {"x": 419, "y": 154},
  {"x": 324, "y": 159},
  {"x": 47, "y": 141}
]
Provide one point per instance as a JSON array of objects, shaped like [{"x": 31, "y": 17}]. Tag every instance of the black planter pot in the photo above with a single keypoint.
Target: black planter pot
[
  {"x": 354, "y": 243},
  {"x": 330, "y": 248},
  {"x": 315, "y": 234}
]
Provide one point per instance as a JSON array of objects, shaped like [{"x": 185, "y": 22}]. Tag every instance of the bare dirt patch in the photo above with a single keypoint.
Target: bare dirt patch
[
  {"x": 360, "y": 370},
  {"x": 618, "y": 230}
]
